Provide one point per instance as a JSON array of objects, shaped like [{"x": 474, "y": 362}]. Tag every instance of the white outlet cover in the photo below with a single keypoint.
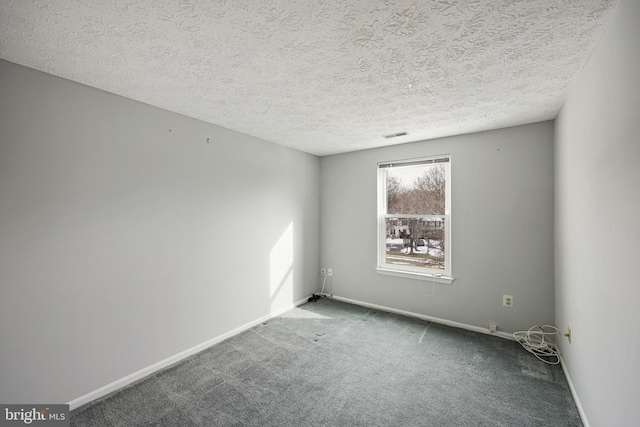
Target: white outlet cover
[{"x": 507, "y": 300}]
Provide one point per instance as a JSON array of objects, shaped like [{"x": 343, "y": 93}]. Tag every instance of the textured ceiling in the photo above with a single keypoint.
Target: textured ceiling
[{"x": 323, "y": 76}]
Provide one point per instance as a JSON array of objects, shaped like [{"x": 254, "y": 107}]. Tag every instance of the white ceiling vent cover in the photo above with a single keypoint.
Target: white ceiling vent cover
[{"x": 395, "y": 135}]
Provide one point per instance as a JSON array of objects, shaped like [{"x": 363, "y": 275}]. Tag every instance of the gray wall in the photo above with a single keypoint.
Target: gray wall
[
  {"x": 502, "y": 228},
  {"x": 125, "y": 238},
  {"x": 598, "y": 226}
]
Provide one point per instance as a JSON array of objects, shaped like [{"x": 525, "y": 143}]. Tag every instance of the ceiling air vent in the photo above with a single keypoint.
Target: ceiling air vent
[{"x": 394, "y": 135}]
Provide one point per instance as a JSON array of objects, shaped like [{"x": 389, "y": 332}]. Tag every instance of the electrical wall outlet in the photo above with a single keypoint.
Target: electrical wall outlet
[
  {"x": 323, "y": 272},
  {"x": 507, "y": 301},
  {"x": 568, "y": 335},
  {"x": 492, "y": 327},
  {"x": 329, "y": 272}
]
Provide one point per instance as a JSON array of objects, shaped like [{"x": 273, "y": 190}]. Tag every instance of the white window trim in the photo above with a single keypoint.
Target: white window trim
[
  {"x": 427, "y": 277},
  {"x": 411, "y": 272}
]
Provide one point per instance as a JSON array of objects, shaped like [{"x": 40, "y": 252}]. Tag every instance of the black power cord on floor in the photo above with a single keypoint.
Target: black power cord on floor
[{"x": 316, "y": 297}]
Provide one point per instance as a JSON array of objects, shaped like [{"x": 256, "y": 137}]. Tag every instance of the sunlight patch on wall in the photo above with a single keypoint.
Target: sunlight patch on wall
[{"x": 281, "y": 263}]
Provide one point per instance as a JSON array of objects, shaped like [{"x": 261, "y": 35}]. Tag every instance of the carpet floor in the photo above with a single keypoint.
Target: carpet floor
[{"x": 329, "y": 363}]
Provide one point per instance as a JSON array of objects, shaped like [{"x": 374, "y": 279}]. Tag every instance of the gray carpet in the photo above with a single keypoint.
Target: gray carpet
[{"x": 335, "y": 364}]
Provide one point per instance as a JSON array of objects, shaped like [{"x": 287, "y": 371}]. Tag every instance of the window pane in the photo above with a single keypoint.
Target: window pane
[
  {"x": 419, "y": 190},
  {"x": 418, "y": 242}
]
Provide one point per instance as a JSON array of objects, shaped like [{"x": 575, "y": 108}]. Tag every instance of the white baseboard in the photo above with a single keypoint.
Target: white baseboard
[
  {"x": 445, "y": 322},
  {"x": 583, "y": 416},
  {"x": 122, "y": 382}
]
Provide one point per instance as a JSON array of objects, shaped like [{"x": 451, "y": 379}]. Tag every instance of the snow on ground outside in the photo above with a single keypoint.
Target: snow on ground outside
[{"x": 399, "y": 244}]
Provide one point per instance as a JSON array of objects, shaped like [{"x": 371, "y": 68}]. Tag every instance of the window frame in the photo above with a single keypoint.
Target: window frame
[{"x": 430, "y": 274}]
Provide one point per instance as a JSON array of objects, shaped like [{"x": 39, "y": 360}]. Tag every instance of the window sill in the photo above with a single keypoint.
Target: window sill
[{"x": 427, "y": 277}]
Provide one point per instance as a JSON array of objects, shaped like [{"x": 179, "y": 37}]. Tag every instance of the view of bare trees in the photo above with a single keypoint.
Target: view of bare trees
[
  {"x": 424, "y": 196},
  {"x": 422, "y": 238}
]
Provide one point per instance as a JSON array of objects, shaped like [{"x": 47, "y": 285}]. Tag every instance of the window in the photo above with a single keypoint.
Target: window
[{"x": 414, "y": 218}]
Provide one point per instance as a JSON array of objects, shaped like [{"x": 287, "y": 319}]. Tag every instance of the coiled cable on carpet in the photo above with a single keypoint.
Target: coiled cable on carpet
[{"x": 537, "y": 341}]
